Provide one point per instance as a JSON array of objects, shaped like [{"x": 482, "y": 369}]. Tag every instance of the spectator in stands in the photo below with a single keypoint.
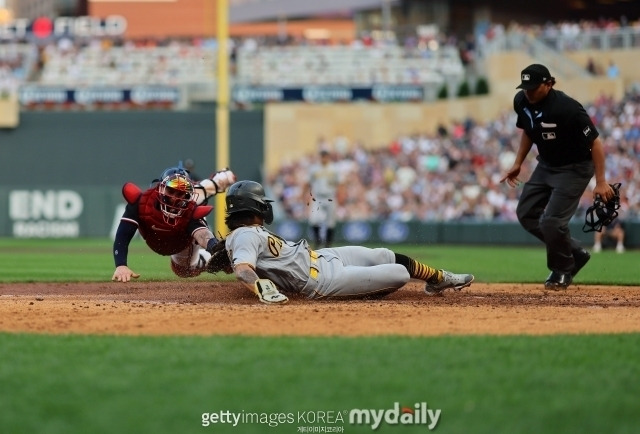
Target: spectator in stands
[
  {"x": 483, "y": 150},
  {"x": 615, "y": 232},
  {"x": 612, "y": 70}
]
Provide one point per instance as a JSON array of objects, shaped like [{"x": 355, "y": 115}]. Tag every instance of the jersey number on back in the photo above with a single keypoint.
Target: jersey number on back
[{"x": 275, "y": 246}]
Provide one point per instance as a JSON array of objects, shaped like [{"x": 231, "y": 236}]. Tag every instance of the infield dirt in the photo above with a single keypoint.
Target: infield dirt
[{"x": 224, "y": 308}]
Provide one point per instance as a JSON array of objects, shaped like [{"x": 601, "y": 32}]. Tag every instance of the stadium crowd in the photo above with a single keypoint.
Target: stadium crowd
[
  {"x": 448, "y": 175},
  {"x": 415, "y": 56},
  {"x": 454, "y": 174},
  {"x": 16, "y": 63}
]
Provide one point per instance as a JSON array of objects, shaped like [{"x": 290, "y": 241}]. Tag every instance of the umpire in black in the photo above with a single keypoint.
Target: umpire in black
[{"x": 569, "y": 154}]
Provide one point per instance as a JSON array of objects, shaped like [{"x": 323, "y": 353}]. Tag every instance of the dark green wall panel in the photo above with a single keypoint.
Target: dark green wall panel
[{"x": 110, "y": 148}]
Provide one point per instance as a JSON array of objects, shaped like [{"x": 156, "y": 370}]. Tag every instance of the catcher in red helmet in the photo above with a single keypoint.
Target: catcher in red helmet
[{"x": 170, "y": 216}]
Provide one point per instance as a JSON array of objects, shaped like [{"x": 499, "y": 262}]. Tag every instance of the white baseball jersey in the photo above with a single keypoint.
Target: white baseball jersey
[
  {"x": 323, "y": 182},
  {"x": 350, "y": 271}
]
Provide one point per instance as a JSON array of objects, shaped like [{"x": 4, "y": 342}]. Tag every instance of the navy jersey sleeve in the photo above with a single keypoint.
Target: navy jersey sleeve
[
  {"x": 196, "y": 224},
  {"x": 131, "y": 213},
  {"x": 124, "y": 235}
]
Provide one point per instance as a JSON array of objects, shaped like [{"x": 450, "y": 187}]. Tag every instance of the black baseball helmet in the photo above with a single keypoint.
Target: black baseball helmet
[
  {"x": 249, "y": 196},
  {"x": 169, "y": 171}
]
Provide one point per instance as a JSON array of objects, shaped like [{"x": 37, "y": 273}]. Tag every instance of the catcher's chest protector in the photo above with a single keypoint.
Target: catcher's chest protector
[{"x": 160, "y": 236}]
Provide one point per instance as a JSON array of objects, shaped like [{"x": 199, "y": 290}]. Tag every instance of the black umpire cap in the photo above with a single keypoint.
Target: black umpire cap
[{"x": 533, "y": 76}]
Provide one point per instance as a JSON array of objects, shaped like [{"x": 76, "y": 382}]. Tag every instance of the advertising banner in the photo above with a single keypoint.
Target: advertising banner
[
  {"x": 141, "y": 96},
  {"x": 45, "y": 28},
  {"x": 328, "y": 93}
]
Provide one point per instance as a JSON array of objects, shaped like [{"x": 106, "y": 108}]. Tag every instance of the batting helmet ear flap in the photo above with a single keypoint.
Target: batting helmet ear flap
[
  {"x": 268, "y": 213},
  {"x": 602, "y": 213}
]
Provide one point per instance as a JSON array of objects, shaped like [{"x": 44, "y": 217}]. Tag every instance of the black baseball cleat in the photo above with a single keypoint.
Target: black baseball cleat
[
  {"x": 580, "y": 257},
  {"x": 558, "y": 280}
]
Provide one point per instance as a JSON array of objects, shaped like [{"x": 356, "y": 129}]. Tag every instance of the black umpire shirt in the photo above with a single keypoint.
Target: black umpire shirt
[{"x": 558, "y": 125}]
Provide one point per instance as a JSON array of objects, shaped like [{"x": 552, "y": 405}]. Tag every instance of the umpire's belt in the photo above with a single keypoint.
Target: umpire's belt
[{"x": 313, "y": 270}]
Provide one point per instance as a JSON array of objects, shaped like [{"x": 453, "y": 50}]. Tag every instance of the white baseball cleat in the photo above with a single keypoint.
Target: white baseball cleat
[{"x": 449, "y": 280}]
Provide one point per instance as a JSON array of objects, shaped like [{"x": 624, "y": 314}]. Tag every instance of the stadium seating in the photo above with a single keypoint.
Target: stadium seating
[
  {"x": 18, "y": 61},
  {"x": 454, "y": 175},
  {"x": 174, "y": 64},
  {"x": 345, "y": 65},
  {"x": 178, "y": 64}
]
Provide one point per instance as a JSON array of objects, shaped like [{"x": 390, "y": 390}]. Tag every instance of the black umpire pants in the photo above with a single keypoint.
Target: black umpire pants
[{"x": 548, "y": 202}]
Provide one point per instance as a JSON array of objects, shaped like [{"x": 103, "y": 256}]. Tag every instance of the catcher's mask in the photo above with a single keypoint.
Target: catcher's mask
[
  {"x": 249, "y": 196},
  {"x": 602, "y": 213},
  {"x": 175, "y": 193}
]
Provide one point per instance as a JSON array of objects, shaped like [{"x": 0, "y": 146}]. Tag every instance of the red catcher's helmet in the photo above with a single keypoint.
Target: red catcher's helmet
[{"x": 175, "y": 193}]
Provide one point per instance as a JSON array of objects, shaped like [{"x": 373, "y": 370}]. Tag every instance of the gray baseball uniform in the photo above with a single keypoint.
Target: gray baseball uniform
[
  {"x": 324, "y": 181},
  {"x": 349, "y": 271}
]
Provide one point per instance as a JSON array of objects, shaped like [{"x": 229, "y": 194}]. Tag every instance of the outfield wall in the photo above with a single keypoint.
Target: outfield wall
[
  {"x": 62, "y": 173},
  {"x": 462, "y": 232},
  {"x": 108, "y": 148},
  {"x": 72, "y": 211}
]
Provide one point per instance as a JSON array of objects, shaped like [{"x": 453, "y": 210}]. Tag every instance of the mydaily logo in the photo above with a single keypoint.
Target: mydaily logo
[
  {"x": 330, "y": 420},
  {"x": 419, "y": 414}
]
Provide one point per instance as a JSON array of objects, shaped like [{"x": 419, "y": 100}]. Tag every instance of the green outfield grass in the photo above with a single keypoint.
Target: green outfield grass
[
  {"x": 482, "y": 384},
  {"x": 78, "y": 384},
  {"x": 91, "y": 260}
]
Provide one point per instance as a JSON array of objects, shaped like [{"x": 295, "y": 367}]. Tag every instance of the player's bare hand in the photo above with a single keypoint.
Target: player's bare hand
[
  {"x": 124, "y": 274},
  {"x": 603, "y": 190},
  {"x": 512, "y": 177}
]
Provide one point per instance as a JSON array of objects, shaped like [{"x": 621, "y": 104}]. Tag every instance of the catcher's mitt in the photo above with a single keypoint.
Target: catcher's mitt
[
  {"x": 219, "y": 260},
  {"x": 602, "y": 213}
]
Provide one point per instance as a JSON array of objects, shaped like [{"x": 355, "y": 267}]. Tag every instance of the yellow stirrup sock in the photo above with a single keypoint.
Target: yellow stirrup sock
[{"x": 424, "y": 272}]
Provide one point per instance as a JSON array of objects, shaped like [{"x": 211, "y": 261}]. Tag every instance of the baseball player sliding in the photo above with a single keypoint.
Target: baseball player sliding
[
  {"x": 170, "y": 217},
  {"x": 267, "y": 264}
]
